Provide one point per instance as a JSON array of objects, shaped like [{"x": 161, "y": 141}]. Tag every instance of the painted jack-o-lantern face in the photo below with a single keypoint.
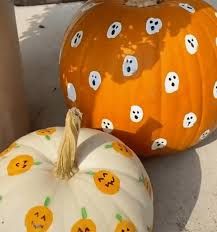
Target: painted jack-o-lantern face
[
  {"x": 84, "y": 225},
  {"x": 124, "y": 225},
  {"x": 20, "y": 164},
  {"x": 13, "y": 145},
  {"x": 121, "y": 149},
  {"x": 38, "y": 219},
  {"x": 147, "y": 185},
  {"x": 46, "y": 132},
  {"x": 106, "y": 181}
]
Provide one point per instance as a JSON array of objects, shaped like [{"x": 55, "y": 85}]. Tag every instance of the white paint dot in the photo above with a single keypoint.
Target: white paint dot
[
  {"x": 191, "y": 44},
  {"x": 130, "y": 66},
  {"x": 76, "y": 40},
  {"x": 215, "y": 90},
  {"x": 114, "y": 30},
  {"x": 71, "y": 92},
  {"x": 171, "y": 82},
  {"x": 136, "y": 113},
  {"x": 153, "y": 26},
  {"x": 189, "y": 120},
  {"x": 205, "y": 134},
  {"x": 159, "y": 143},
  {"x": 94, "y": 80},
  {"x": 107, "y": 125}
]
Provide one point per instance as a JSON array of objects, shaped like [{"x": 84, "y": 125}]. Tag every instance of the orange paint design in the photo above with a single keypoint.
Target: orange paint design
[
  {"x": 7, "y": 150},
  {"x": 38, "y": 219},
  {"x": 124, "y": 225},
  {"x": 122, "y": 149},
  {"x": 84, "y": 224},
  {"x": 19, "y": 165},
  {"x": 107, "y": 182},
  {"x": 47, "y": 131}
]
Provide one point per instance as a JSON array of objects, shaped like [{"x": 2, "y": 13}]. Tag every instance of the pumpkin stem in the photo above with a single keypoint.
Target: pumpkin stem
[
  {"x": 66, "y": 165},
  {"x": 142, "y": 3}
]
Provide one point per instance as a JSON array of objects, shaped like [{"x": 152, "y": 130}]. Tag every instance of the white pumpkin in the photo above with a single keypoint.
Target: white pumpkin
[{"x": 42, "y": 189}]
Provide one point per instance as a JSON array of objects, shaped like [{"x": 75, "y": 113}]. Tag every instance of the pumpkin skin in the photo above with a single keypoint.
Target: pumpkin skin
[
  {"x": 165, "y": 100},
  {"x": 81, "y": 202}
]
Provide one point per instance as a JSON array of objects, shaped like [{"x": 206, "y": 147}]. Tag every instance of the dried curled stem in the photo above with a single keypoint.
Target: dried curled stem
[{"x": 66, "y": 165}]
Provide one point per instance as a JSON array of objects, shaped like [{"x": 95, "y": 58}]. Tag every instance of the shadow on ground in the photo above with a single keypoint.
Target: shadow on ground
[
  {"x": 40, "y": 45},
  {"x": 176, "y": 182}
]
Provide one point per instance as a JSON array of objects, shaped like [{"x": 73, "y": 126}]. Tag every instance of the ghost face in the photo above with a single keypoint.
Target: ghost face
[
  {"x": 94, "y": 80},
  {"x": 189, "y": 120},
  {"x": 159, "y": 144},
  {"x": 205, "y": 135},
  {"x": 215, "y": 90},
  {"x": 136, "y": 114},
  {"x": 130, "y": 66},
  {"x": 191, "y": 44},
  {"x": 171, "y": 82},
  {"x": 114, "y": 30},
  {"x": 76, "y": 40},
  {"x": 107, "y": 125},
  {"x": 153, "y": 26},
  {"x": 187, "y": 7}
]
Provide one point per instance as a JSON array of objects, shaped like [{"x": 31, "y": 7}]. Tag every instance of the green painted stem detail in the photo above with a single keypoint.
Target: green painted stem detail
[
  {"x": 108, "y": 146},
  {"x": 47, "y": 201},
  {"x": 47, "y": 137},
  {"x": 119, "y": 217},
  {"x": 91, "y": 173},
  {"x": 37, "y": 162},
  {"x": 141, "y": 179},
  {"x": 84, "y": 213}
]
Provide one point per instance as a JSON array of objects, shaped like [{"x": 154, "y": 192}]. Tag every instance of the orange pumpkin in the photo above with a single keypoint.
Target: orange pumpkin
[{"x": 148, "y": 75}]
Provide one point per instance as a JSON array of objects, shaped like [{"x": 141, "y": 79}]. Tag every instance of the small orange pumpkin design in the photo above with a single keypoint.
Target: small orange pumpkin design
[
  {"x": 147, "y": 185},
  {"x": 20, "y": 164},
  {"x": 7, "y": 150},
  {"x": 46, "y": 132},
  {"x": 39, "y": 218},
  {"x": 124, "y": 225},
  {"x": 121, "y": 149},
  {"x": 84, "y": 224},
  {"x": 106, "y": 181}
]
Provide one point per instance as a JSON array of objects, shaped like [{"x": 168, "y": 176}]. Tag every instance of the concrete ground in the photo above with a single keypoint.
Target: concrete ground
[{"x": 185, "y": 185}]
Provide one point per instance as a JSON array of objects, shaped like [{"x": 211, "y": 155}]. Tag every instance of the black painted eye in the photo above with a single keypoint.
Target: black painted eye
[
  {"x": 44, "y": 218},
  {"x": 170, "y": 79},
  {"x": 105, "y": 174},
  {"x": 151, "y": 21},
  {"x": 137, "y": 112},
  {"x": 108, "y": 124},
  {"x": 134, "y": 112},
  {"x": 116, "y": 27},
  {"x": 17, "y": 164},
  {"x": 113, "y": 26},
  {"x": 191, "y": 117},
  {"x": 156, "y": 23},
  {"x": 131, "y": 61},
  {"x": 36, "y": 214}
]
